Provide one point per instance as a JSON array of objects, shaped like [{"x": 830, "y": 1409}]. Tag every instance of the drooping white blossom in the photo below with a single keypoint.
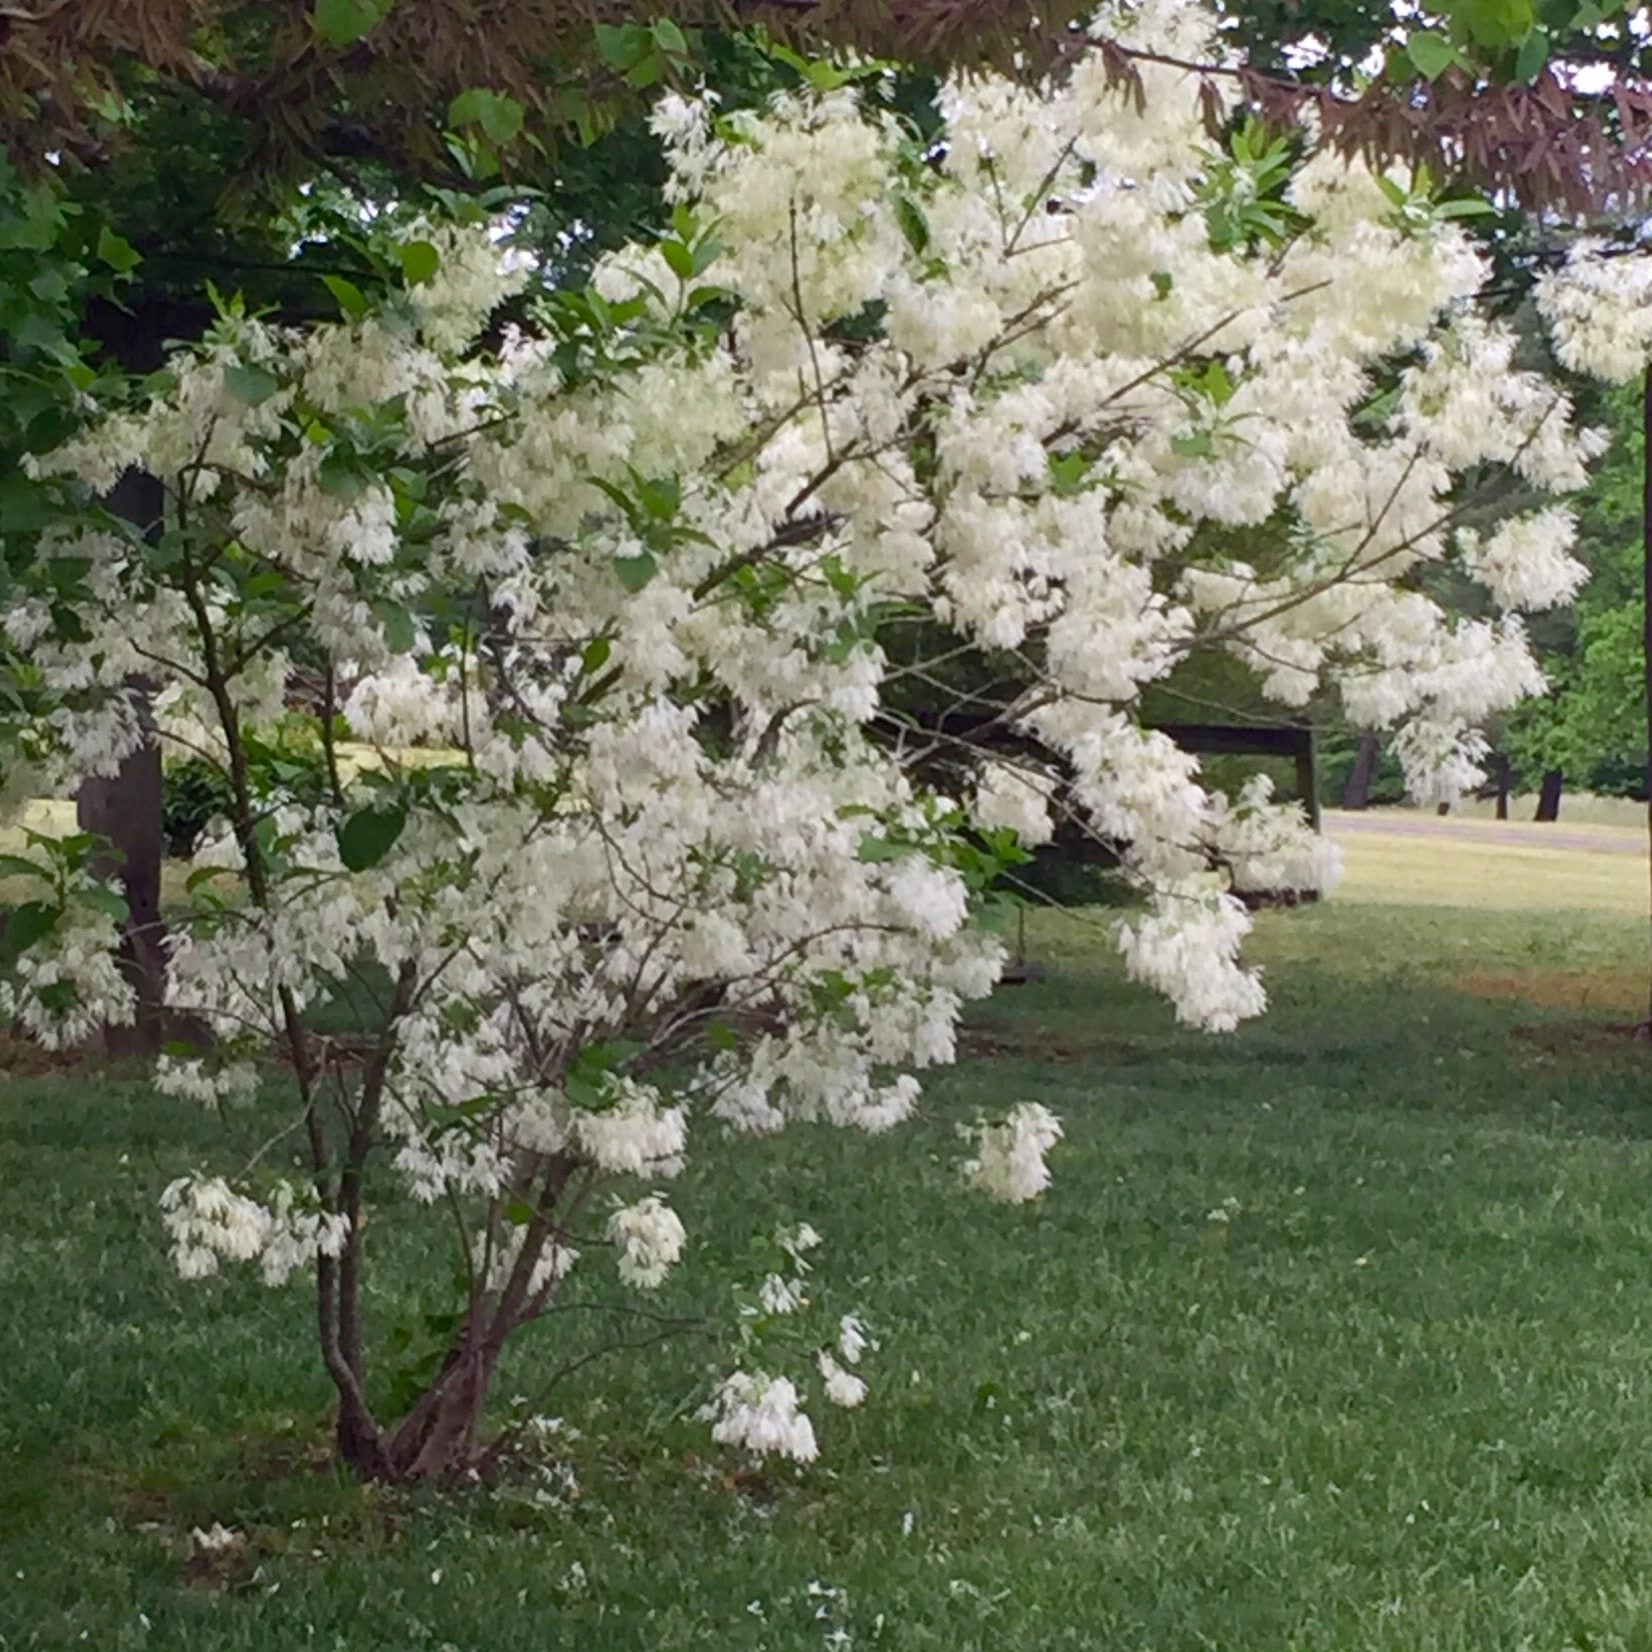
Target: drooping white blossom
[
  {"x": 1009, "y": 1160},
  {"x": 852, "y": 1339},
  {"x": 1598, "y": 306},
  {"x": 842, "y": 1387},
  {"x": 761, "y": 1415},
  {"x": 650, "y": 1236}
]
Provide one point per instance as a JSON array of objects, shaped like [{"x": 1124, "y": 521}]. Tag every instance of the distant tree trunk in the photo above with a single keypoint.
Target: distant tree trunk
[
  {"x": 1357, "y": 793},
  {"x": 1646, "y": 612},
  {"x": 1442, "y": 808},
  {"x": 126, "y": 808},
  {"x": 1548, "y": 798},
  {"x": 1504, "y": 771}
]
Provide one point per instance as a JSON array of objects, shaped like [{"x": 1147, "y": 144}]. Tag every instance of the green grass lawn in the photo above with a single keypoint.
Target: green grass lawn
[{"x": 1401, "y": 1399}]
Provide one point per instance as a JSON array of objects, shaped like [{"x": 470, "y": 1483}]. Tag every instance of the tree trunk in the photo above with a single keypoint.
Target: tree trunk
[
  {"x": 440, "y": 1439},
  {"x": 1646, "y": 611},
  {"x": 1357, "y": 793},
  {"x": 1505, "y": 779},
  {"x": 125, "y": 808},
  {"x": 1442, "y": 809},
  {"x": 1548, "y": 798}
]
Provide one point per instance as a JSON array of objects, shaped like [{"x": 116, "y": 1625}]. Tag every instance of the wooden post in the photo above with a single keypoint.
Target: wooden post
[{"x": 1307, "y": 778}]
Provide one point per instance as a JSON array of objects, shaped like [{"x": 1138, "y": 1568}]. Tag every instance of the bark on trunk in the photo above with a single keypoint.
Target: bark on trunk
[
  {"x": 1646, "y": 612},
  {"x": 1357, "y": 793},
  {"x": 1548, "y": 798},
  {"x": 126, "y": 808},
  {"x": 441, "y": 1437},
  {"x": 1505, "y": 779}
]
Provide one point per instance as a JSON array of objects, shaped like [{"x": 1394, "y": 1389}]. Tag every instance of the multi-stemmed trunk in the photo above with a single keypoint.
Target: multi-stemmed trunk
[{"x": 441, "y": 1436}]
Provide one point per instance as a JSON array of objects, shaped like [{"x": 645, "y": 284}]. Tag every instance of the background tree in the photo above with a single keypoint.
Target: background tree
[{"x": 215, "y": 135}]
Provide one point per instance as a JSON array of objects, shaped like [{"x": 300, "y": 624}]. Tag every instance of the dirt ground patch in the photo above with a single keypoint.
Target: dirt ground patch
[
  {"x": 21, "y": 1057},
  {"x": 1562, "y": 989}
]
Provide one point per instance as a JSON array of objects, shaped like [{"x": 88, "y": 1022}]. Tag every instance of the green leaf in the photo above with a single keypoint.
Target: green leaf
[
  {"x": 649, "y": 69},
  {"x": 669, "y": 38},
  {"x": 117, "y": 252},
  {"x": 596, "y": 654},
  {"x": 108, "y": 901},
  {"x": 596, "y": 1060},
  {"x": 661, "y": 496},
  {"x": 58, "y": 996},
  {"x": 19, "y": 866},
  {"x": 623, "y": 45},
  {"x": 678, "y": 259},
  {"x": 914, "y": 225},
  {"x": 369, "y": 835},
  {"x": 1194, "y": 444},
  {"x": 874, "y": 849},
  {"x": 699, "y": 297},
  {"x": 1466, "y": 208},
  {"x": 618, "y": 494},
  {"x": 400, "y": 634},
  {"x": 342, "y": 475},
  {"x": 1533, "y": 55},
  {"x": 252, "y": 385},
  {"x": 1431, "y": 53},
  {"x": 24, "y": 504},
  {"x": 419, "y": 260},
  {"x": 1496, "y": 24},
  {"x": 28, "y": 923},
  {"x": 351, "y": 299},
  {"x": 636, "y": 571},
  {"x": 499, "y": 115},
  {"x": 1067, "y": 472},
  {"x": 343, "y": 22}
]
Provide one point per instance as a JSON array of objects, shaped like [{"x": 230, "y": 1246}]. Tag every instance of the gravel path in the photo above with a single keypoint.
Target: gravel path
[{"x": 1610, "y": 840}]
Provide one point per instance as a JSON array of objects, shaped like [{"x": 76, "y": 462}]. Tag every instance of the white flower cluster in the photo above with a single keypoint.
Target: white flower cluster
[
  {"x": 209, "y": 1223},
  {"x": 1527, "y": 562},
  {"x": 1009, "y": 1161},
  {"x": 69, "y": 984},
  {"x": 650, "y": 1237},
  {"x": 1007, "y": 797},
  {"x": 1599, "y": 310},
  {"x": 843, "y": 1387},
  {"x": 641, "y": 833},
  {"x": 762, "y": 1414}
]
